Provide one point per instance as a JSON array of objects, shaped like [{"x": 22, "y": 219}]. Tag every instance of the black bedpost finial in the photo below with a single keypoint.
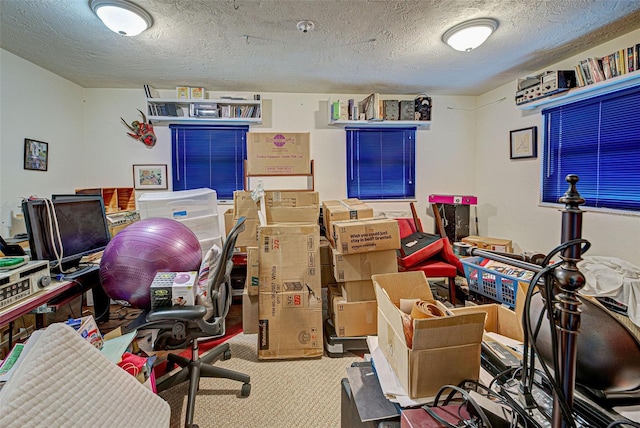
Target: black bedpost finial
[{"x": 571, "y": 197}]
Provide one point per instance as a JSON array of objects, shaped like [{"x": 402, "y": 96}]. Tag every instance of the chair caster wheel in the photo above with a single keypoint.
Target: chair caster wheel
[
  {"x": 246, "y": 390},
  {"x": 226, "y": 355}
]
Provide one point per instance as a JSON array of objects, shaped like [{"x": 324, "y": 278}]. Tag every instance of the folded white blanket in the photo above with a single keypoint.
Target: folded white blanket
[
  {"x": 64, "y": 381},
  {"x": 614, "y": 278}
]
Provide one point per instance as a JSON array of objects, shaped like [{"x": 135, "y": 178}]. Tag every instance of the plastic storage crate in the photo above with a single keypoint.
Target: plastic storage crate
[{"x": 490, "y": 283}]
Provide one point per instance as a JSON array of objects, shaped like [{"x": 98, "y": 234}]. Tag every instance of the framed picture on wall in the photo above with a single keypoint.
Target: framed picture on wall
[
  {"x": 150, "y": 177},
  {"x": 524, "y": 143},
  {"x": 36, "y": 155}
]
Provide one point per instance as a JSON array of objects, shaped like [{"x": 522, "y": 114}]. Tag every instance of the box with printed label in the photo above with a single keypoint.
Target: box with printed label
[
  {"x": 345, "y": 209},
  {"x": 358, "y": 267},
  {"x": 289, "y": 252},
  {"x": 173, "y": 289},
  {"x": 362, "y": 236},
  {"x": 290, "y": 299},
  {"x": 278, "y": 153},
  {"x": 88, "y": 329},
  {"x": 352, "y": 319},
  {"x": 253, "y": 271},
  {"x": 431, "y": 351},
  {"x": 487, "y": 243}
]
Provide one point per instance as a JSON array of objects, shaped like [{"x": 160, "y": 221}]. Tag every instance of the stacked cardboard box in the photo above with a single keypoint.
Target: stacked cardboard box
[
  {"x": 290, "y": 299},
  {"x": 345, "y": 209},
  {"x": 363, "y": 247}
]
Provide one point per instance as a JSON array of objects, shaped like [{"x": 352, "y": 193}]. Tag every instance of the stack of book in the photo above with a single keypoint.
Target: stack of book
[{"x": 594, "y": 70}]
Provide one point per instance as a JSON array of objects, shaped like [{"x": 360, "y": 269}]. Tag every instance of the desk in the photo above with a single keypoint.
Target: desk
[{"x": 60, "y": 290}]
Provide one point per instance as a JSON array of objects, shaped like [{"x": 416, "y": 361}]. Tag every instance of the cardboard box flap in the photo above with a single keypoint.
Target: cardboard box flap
[
  {"x": 403, "y": 285},
  {"x": 443, "y": 332},
  {"x": 499, "y": 319}
]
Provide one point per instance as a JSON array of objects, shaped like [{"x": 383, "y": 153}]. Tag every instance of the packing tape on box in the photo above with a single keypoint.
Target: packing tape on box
[{"x": 423, "y": 309}]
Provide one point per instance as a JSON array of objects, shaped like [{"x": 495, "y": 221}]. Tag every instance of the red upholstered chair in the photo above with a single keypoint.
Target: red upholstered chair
[{"x": 439, "y": 260}]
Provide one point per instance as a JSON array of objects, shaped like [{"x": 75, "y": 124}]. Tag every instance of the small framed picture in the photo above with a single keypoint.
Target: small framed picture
[
  {"x": 36, "y": 155},
  {"x": 150, "y": 177},
  {"x": 524, "y": 143}
]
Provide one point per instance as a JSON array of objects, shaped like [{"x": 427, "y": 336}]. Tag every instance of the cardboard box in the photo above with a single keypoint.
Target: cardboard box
[
  {"x": 486, "y": 243},
  {"x": 352, "y": 319},
  {"x": 333, "y": 293},
  {"x": 88, "y": 329},
  {"x": 250, "y": 312},
  {"x": 253, "y": 271},
  {"x": 445, "y": 350},
  {"x": 173, "y": 289},
  {"x": 280, "y": 207},
  {"x": 345, "y": 209},
  {"x": 358, "y": 267},
  {"x": 244, "y": 205},
  {"x": 278, "y": 153},
  {"x": 325, "y": 251},
  {"x": 362, "y": 236},
  {"x": 248, "y": 237},
  {"x": 326, "y": 275},
  {"x": 289, "y": 252},
  {"x": 357, "y": 291},
  {"x": 500, "y": 320},
  {"x": 292, "y": 207},
  {"x": 290, "y": 299}
]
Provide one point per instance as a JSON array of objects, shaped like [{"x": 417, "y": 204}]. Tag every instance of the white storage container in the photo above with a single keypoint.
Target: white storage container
[
  {"x": 197, "y": 209},
  {"x": 207, "y": 226},
  {"x": 178, "y": 205},
  {"x": 206, "y": 244}
]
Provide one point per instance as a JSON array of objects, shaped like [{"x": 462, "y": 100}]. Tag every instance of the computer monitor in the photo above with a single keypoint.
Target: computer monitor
[{"x": 81, "y": 226}]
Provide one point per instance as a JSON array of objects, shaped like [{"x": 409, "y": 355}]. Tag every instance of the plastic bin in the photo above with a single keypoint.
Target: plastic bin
[
  {"x": 490, "y": 283},
  {"x": 207, "y": 226},
  {"x": 178, "y": 205}
]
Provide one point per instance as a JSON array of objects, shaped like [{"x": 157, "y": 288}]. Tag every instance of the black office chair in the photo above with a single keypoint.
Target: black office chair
[{"x": 180, "y": 325}]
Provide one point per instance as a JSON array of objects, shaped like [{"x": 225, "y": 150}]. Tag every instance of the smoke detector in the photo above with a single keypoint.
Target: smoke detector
[{"x": 305, "y": 26}]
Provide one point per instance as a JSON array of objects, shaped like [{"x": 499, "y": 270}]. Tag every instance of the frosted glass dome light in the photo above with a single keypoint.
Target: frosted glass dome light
[
  {"x": 121, "y": 16},
  {"x": 470, "y": 34}
]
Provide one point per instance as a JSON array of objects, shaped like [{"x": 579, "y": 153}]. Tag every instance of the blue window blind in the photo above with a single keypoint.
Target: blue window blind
[
  {"x": 599, "y": 140},
  {"x": 381, "y": 163},
  {"x": 209, "y": 156}
]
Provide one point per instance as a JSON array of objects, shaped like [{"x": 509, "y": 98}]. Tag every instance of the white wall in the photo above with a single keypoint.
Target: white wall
[
  {"x": 466, "y": 151},
  {"x": 38, "y": 105},
  {"x": 508, "y": 190},
  {"x": 448, "y": 144}
]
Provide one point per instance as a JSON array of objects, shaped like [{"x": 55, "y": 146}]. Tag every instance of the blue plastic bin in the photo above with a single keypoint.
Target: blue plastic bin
[{"x": 490, "y": 283}]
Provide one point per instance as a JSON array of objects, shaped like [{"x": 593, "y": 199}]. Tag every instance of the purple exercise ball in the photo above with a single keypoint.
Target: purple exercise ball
[{"x": 134, "y": 256}]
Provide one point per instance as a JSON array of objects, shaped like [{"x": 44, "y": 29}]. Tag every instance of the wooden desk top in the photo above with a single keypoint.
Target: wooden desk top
[{"x": 28, "y": 304}]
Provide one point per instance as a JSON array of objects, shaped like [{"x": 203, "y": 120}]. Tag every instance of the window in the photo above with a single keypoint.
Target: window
[
  {"x": 381, "y": 163},
  {"x": 209, "y": 156},
  {"x": 598, "y": 140}
]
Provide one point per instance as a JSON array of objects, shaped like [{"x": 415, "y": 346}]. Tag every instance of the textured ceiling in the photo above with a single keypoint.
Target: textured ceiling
[{"x": 357, "y": 46}]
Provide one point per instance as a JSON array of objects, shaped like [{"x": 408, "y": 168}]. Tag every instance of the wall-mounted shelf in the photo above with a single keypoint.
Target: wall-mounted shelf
[
  {"x": 116, "y": 199},
  {"x": 379, "y": 123},
  {"x": 577, "y": 94},
  {"x": 207, "y": 111}
]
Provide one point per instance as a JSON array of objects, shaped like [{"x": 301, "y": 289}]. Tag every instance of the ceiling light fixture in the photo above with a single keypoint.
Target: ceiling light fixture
[
  {"x": 122, "y": 16},
  {"x": 470, "y": 34}
]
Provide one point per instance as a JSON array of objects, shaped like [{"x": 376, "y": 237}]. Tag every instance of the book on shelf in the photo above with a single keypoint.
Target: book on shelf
[
  {"x": 371, "y": 106},
  {"x": 150, "y": 92}
]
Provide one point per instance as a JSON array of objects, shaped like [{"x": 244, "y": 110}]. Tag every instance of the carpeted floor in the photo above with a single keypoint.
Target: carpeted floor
[{"x": 284, "y": 393}]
